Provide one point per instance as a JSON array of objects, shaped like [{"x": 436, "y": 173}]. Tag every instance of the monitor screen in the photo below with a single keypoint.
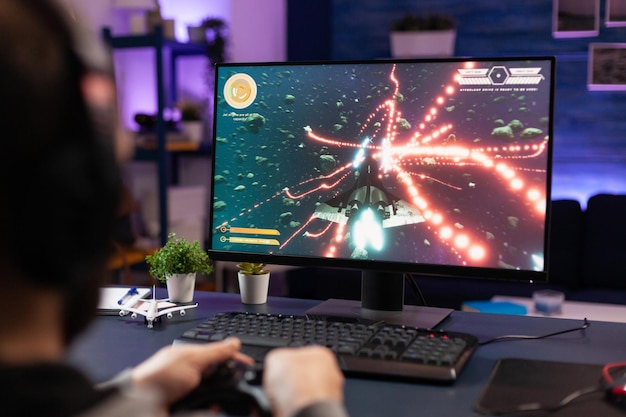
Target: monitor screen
[{"x": 433, "y": 166}]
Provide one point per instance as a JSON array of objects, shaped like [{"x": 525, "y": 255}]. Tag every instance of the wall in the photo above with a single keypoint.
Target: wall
[
  {"x": 258, "y": 30},
  {"x": 590, "y": 130}
]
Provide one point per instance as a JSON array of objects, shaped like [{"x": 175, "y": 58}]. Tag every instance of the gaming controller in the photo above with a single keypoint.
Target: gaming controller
[{"x": 229, "y": 391}]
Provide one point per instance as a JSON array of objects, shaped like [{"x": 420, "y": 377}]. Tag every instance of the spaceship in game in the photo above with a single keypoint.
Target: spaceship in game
[
  {"x": 368, "y": 207},
  {"x": 369, "y": 199}
]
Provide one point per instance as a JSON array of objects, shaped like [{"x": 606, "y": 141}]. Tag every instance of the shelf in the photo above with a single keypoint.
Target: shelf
[
  {"x": 174, "y": 146},
  {"x": 160, "y": 150},
  {"x": 147, "y": 151},
  {"x": 152, "y": 40}
]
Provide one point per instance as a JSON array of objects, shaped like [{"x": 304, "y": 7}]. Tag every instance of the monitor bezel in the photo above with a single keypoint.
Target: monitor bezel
[{"x": 423, "y": 269}]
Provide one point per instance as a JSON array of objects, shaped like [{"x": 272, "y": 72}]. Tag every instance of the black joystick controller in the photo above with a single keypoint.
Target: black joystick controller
[{"x": 229, "y": 391}]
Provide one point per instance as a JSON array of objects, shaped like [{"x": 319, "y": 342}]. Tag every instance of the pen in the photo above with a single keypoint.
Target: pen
[{"x": 131, "y": 291}]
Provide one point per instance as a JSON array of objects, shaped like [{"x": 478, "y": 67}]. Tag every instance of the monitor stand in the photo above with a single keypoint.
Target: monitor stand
[{"x": 382, "y": 298}]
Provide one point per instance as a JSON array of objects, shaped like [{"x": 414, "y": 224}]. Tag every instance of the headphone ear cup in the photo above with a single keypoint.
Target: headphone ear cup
[
  {"x": 74, "y": 175},
  {"x": 59, "y": 179}
]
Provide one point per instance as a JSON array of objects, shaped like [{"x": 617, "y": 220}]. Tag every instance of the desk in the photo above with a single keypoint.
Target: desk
[
  {"x": 577, "y": 310},
  {"x": 114, "y": 343}
]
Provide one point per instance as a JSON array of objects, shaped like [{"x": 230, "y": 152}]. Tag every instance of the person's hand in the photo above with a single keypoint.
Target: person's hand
[
  {"x": 176, "y": 370},
  {"x": 296, "y": 378}
]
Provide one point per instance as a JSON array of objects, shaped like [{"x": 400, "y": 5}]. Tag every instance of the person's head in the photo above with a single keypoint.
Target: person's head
[{"x": 58, "y": 176}]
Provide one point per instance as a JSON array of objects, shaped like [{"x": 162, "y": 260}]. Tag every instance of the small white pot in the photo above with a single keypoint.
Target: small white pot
[
  {"x": 180, "y": 287},
  {"x": 254, "y": 288},
  {"x": 192, "y": 129},
  {"x": 196, "y": 34},
  {"x": 427, "y": 43}
]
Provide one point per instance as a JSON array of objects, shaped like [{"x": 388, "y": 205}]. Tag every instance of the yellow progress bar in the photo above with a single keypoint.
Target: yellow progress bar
[
  {"x": 252, "y": 240},
  {"x": 254, "y": 231}
]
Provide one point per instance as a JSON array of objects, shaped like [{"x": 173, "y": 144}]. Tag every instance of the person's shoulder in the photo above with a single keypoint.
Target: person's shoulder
[{"x": 130, "y": 401}]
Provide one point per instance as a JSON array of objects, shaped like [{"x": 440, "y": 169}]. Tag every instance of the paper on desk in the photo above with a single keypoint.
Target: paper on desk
[{"x": 109, "y": 296}]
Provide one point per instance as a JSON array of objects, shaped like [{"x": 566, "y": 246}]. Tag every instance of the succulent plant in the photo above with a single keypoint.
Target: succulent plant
[{"x": 251, "y": 268}]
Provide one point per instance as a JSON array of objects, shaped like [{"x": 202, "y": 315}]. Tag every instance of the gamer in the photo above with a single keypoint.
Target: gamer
[{"x": 58, "y": 182}]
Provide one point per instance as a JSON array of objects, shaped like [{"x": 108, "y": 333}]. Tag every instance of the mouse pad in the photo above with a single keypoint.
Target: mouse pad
[{"x": 516, "y": 382}]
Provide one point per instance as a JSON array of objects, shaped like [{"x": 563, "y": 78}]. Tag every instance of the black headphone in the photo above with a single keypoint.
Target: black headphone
[{"x": 59, "y": 178}]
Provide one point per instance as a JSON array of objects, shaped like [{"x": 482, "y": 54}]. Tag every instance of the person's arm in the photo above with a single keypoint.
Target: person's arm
[
  {"x": 176, "y": 370},
  {"x": 304, "y": 382},
  {"x": 165, "y": 377}
]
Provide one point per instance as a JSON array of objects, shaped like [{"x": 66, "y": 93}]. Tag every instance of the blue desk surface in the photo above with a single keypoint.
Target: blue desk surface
[{"x": 114, "y": 343}]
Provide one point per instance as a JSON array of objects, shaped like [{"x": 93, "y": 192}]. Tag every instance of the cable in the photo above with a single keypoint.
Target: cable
[
  {"x": 416, "y": 289},
  {"x": 585, "y": 325}
]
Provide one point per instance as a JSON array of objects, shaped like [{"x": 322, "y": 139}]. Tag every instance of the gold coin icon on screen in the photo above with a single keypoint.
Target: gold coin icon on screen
[{"x": 240, "y": 91}]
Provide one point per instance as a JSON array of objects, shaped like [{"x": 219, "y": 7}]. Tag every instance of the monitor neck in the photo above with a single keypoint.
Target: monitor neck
[{"x": 382, "y": 291}]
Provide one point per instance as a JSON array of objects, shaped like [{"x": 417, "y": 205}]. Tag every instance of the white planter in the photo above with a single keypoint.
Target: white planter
[
  {"x": 192, "y": 129},
  {"x": 253, "y": 288},
  {"x": 180, "y": 287},
  {"x": 196, "y": 34},
  {"x": 428, "y": 43}
]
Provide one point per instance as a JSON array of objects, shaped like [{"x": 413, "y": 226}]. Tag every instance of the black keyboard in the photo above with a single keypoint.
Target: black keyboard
[{"x": 363, "y": 347}]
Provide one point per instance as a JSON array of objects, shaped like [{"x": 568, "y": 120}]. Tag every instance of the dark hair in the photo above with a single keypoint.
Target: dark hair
[{"x": 58, "y": 176}]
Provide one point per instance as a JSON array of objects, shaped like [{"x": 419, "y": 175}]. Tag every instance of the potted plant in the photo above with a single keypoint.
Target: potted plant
[
  {"x": 216, "y": 35},
  {"x": 191, "y": 120},
  {"x": 254, "y": 280},
  {"x": 177, "y": 264},
  {"x": 213, "y": 32},
  {"x": 428, "y": 36}
]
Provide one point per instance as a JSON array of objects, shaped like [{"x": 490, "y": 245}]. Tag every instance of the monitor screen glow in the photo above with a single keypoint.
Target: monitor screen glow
[{"x": 437, "y": 166}]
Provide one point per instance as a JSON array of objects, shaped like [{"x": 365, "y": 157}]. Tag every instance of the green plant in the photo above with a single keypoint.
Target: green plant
[
  {"x": 178, "y": 256},
  {"x": 411, "y": 22},
  {"x": 189, "y": 111},
  {"x": 251, "y": 268},
  {"x": 216, "y": 32}
]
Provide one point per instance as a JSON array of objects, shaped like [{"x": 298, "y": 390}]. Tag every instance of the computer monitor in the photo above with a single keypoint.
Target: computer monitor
[{"x": 429, "y": 166}]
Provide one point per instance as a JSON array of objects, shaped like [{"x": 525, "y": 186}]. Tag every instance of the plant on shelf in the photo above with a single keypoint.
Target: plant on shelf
[
  {"x": 251, "y": 268},
  {"x": 213, "y": 33},
  {"x": 177, "y": 262},
  {"x": 191, "y": 120},
  {"x": 189, "y": 111},
  {"x": 216, "y": 36},
  {"x": 412, "y": 23}
]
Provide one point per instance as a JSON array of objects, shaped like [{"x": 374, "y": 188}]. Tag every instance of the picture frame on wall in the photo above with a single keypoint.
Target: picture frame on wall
[
  {"x": 607, "y": 67},
  {"x": 615, "y": 13},
  {"x": 575, "y": 18}
]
